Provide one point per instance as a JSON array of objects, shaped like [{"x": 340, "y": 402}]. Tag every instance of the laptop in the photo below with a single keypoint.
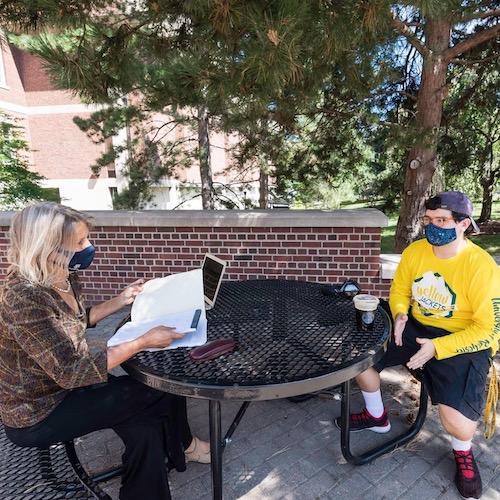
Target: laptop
[{"x": 213, "y": 270}]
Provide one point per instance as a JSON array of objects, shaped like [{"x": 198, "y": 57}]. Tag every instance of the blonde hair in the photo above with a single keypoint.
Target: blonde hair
[{"x": 39, "y": 235}]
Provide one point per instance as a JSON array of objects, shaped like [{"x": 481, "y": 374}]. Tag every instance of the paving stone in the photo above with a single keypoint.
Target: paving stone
[
  {"x": 318, "y": 486},
  {"x": 411, "y": 471},
  {"x": 378, "y": 470},
  {"x": 354, "y": 486},
  {"x": 311, "y": 464},
  {"x": 387, "y": 490},
  {"x": 422, "y": 489}
]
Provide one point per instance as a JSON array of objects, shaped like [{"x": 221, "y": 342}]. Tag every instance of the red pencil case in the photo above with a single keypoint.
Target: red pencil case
[{"x": 212, "y": 349}]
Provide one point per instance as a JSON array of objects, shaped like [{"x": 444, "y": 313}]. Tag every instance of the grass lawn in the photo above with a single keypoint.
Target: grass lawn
[{"x": 490, "y": 242}]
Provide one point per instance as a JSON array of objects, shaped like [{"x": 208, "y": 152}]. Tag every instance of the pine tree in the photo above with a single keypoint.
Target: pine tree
[{"x": 273, "y": 59}]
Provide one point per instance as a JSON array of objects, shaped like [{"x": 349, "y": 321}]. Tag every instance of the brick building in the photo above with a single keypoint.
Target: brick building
[{"x": 63, "y": 154}]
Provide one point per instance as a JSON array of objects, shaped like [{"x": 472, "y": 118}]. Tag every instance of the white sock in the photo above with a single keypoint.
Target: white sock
[
  {"x": 458, "y": 445},
  {"x": 373, "y": 403}
]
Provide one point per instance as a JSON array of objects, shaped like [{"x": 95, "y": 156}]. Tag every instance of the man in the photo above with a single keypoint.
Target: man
[{"x": 445, "y": 301}]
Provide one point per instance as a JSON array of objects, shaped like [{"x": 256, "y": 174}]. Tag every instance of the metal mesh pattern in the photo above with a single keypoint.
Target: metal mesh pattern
[
  {"x": 32, "y": 474},
  {"x": 284, "y": 331}
]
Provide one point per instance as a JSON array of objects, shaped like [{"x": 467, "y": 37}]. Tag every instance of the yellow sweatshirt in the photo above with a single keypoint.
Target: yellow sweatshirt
[{"x": 460, "y": 295}]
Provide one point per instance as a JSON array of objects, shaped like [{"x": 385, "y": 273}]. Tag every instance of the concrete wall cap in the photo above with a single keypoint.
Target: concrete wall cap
[{"x": 359, "y": 217}]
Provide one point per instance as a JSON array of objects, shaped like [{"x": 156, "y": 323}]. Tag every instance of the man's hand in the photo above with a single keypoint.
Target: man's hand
[
  {"x": 426, "y": 352},
  {"x": 399, "y": 326}
]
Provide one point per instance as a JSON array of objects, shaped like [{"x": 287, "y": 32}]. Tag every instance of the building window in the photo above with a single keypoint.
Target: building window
[
  {"x": 113, "y": 191},
  {"x": 111, "y": 166}
]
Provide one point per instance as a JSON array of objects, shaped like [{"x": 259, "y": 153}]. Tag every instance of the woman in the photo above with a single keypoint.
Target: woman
[{"x": 52, "y": 386}]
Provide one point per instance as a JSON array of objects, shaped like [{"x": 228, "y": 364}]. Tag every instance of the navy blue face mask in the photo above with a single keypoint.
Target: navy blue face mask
[
  {"x": 82, "y": 259},
  {"x": 439, "y": 236}
]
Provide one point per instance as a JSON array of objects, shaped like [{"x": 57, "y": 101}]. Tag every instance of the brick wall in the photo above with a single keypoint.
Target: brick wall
[
  {"x": 322, "y": 246},
  {"x": 71, "y": 155}
]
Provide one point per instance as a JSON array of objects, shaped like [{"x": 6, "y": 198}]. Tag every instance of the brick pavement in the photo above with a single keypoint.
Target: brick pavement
[{"x": 286, "y": 450}]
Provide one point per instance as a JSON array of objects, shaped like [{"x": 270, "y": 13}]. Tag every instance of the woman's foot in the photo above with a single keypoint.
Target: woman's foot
[{"x": 198, "y": 451}]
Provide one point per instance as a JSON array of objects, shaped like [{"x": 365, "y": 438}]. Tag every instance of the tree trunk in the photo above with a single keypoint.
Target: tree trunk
[
  {"x": 422, "y": 160},
  {"x": 487, "y": 205},
  {"x": 263, "y": 188},
  {"x": 207, "y": 190},
  {"x": 488, "y": 178}
]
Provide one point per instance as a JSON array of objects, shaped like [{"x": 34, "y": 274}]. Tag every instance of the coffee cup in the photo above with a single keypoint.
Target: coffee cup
[{"x": 366, "y": 307}]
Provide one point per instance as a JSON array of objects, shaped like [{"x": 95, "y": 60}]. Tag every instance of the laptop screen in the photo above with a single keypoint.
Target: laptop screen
[{"x": 213, "y": 269}]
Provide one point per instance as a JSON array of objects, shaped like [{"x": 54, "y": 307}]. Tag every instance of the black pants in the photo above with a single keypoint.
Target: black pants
[{"x": 152, "y": 424}]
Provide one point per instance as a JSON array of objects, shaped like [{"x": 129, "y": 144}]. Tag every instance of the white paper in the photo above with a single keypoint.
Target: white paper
[
  {"x": 171, "y": 294},
  {"x": 169, "y": 301},
  {"x": 180, "y": 321}
]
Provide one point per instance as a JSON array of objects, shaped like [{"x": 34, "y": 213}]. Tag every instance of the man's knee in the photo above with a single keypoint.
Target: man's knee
[
  {"x": 456, "y": 423},
  {"x": 369, "y": 380}
]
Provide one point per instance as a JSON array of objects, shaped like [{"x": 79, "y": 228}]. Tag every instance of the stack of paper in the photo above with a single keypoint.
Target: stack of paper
[{"x": 171, "y": 301}]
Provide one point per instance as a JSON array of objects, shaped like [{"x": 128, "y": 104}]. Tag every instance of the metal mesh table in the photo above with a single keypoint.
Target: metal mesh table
[{"x": 291, "y": 339}]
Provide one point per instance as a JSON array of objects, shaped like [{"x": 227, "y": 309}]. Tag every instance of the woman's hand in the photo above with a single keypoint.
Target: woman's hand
[
  {"x": 128, "y": 295},
  {"x": 399, "y": 326},
  {"x": 159, "y": 337},
  {"x": 125, "y": 298}
]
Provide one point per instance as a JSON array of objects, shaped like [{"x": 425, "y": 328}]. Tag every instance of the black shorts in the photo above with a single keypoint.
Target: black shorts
[{"x": 458, "y": 382}]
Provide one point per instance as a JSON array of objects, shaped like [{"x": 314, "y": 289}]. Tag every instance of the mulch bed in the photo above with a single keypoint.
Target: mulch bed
[{"x": 490, "y": 227}]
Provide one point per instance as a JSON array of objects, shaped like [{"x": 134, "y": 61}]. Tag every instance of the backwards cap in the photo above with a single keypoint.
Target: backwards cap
[{"x": 454, "y": 201}]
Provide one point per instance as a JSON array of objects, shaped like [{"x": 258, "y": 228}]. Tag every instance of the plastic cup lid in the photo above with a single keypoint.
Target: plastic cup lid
[{"x": 365, "y": 302}]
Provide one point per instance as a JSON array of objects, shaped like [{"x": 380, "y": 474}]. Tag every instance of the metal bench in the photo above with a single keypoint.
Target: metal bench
[
  {"x": 397, "y": 441},
  {"x": 53, "y": 473}
]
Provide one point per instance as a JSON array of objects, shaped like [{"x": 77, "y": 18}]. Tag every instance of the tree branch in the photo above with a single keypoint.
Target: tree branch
[
  {"x": 480, "y": 15},
  {"x": 469, "y": 91},
  {"x": 403, "y": 29},
  {"x": 471, "y": 42},
  {"x": 327, "y": 111},
  {"x": 472, "y": 62},
  {"x": 390, "y": 124},
  {"x": 399, "y": 92},
  {"x": 416, "y": 24}
]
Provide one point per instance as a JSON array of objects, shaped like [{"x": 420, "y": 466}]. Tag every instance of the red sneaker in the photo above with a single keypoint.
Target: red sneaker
[
  {"x": 365, "y": 421},
  {"x": 467, "y": 477}
]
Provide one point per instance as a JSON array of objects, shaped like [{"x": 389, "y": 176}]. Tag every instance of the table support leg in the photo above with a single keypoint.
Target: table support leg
[
  {"x": 236, "y": 421},
  {"x": 215, "y": 448},
  {"x": 377, "y": 451}
]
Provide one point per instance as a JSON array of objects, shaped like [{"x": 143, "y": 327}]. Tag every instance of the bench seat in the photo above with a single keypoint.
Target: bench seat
[{"x": 43, "y": 474}]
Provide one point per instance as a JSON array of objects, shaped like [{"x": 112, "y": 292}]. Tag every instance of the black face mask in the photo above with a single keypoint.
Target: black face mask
[{"x": 82, "y": 259}]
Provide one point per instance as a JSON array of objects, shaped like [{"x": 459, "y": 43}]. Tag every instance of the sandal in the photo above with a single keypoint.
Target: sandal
[{"x": 197, "y": 454}]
